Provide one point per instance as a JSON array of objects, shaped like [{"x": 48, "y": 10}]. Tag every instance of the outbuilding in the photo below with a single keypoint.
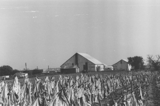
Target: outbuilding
[
  {"x": 83, "y": 62},
  {"x": 122, "y": 65}
]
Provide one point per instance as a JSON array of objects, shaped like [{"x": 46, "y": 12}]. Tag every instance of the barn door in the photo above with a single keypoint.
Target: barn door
[{"x": 85, "y": 67}]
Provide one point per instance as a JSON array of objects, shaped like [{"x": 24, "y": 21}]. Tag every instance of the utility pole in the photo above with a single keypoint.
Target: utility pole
[
  {"x": 132, "y": 83},
  {"x": 26, "y": 66},
  {"x": 48, "y": 68}
]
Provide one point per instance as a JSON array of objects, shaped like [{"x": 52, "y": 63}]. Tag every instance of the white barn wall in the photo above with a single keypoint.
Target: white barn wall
[{"x": 129, "y": 67}]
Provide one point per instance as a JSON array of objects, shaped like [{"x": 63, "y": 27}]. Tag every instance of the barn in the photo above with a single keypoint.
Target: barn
[
  {"x": 83, "y": 62},
  {"x": 122, "y": 65}
]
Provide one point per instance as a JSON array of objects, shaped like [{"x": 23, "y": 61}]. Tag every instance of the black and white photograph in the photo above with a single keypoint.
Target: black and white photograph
[{"x": 79, "y": 53}]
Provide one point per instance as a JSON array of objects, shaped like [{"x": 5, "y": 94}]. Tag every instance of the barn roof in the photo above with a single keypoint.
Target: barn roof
[
  {"x": 90, "y": 58},
  {"x": 126, "y": 60}
]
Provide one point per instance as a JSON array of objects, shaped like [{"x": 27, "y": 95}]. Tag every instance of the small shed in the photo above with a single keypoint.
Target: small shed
[
  {"x": 122, "y": 65},
  {"x": 109, "y": 68},
  {"x": 83, "y": 62}
]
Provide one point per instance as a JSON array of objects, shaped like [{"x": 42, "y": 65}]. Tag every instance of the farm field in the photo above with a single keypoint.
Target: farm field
[{"x": 145, "y": 82}]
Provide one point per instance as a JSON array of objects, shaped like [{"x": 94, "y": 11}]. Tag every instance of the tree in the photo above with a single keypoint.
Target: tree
[
  {"x": 136, "y": 62},
  {"x": 6, "y": 70},
  {"x": 15, "y": 71},
  {"x": 154, "y": 61}
]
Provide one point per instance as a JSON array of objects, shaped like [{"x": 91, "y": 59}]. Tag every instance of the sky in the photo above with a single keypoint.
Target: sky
[{"x": 48, "y": 32}]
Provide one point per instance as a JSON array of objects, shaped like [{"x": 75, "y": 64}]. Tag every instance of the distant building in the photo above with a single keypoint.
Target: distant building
[
  {"x": 33, "y": 71},
  {"x": 20, "y": 74},
  {"x": 83, "y": 62},
  {"x": 51, "y": 70},
  {"x": 108, "y": 68},
  {"x": 122, "y": 65}
]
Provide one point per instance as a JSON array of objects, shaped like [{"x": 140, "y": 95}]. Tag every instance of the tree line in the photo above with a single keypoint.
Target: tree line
[
  {"x": 8, "y": 70},
  {"x": 152, "y": 63}
]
